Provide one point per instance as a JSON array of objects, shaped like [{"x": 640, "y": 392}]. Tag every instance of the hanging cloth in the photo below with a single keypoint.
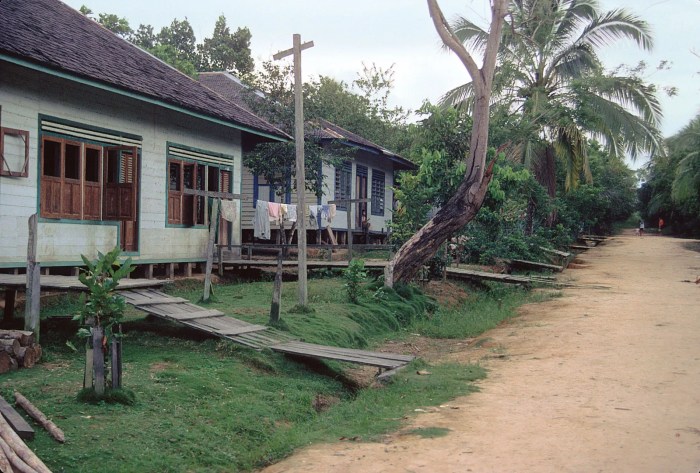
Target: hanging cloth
[
  {"x": 314, "y": 210},
  {"x": 291, "y": 212},
  {"x": 275, "y": 211},
  {"x": 229, "y": 210},
  {"x": 261, "y": 222}
]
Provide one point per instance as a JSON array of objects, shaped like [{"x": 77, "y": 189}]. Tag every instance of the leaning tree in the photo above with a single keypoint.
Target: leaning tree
[{"x": 466, "y": 202}]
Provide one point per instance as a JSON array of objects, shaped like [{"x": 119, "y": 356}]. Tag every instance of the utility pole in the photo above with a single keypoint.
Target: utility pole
[{"x": 299, "y": 142}]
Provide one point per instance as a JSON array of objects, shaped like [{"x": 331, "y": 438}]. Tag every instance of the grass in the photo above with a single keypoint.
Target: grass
[
  {"x": 484, "y": 311},
  {"x": 206, "y": 405}
]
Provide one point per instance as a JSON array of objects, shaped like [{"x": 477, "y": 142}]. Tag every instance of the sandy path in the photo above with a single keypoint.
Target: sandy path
[{"x": 596, "y": 381}]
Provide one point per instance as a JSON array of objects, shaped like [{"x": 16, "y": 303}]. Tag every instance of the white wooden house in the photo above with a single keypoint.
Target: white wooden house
[
  {"x": 367, "y": 173},
  {"x": 101, "y": 140}
]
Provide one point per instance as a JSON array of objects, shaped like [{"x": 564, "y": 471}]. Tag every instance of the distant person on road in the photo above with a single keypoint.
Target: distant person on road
[
  {"x": 641, "y": 227},
  {"x": 661, "y": 224}
]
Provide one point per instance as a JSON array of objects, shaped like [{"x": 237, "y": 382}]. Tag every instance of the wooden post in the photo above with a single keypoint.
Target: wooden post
[
  {"x": 88, "y": 378},
  {"x": 277, "y": 292},
  {"x": 210, "y": 248},
  {"x": 149, "y": 271},
  {"x": 299, "y": 143},
  {"x": 33, "y": 292},
  {"x": 348, "y": 211},
  {"x": 116, "y": 361},
  {"x": 188, "y": 269},
  {"x": 98, "y": 360}
]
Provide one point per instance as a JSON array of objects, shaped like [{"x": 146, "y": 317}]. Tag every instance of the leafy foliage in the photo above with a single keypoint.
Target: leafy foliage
[
  {"x": 354, "y": 275},
  {"x": 177, "y": 45},
  {"x": 103, "y": 307},
  {"x": 672, "y": 187},
  {"x": 551, "y": 76}
]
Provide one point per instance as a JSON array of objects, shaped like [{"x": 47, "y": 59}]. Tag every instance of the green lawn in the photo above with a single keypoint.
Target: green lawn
[{"x": 207, "y": 405}]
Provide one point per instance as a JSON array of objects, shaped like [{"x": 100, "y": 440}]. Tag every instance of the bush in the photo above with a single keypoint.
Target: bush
[{"x": 354, "y": 276}]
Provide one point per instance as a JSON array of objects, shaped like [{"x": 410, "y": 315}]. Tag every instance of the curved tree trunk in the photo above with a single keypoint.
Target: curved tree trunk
[
  {"x": 466, "y": 202},
  {"x": 456, "y": 213}
]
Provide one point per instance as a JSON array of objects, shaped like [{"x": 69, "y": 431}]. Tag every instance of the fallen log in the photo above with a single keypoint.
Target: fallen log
[
  {"x": 5, "y": 362},
  {"x": 5, "y": 462},
  {"x": 39, "y": 416},
  {"x": 20, "y": 448},
  {"x": 17, "y": 463},
  {"x": 26, "y": 357},
  {"x": 25, "y": 337},
  {"x": 10, "y": 345}
]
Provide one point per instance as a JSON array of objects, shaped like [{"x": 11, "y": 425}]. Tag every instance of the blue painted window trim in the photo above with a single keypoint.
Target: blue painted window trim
[{"x": 378, "y": 178}]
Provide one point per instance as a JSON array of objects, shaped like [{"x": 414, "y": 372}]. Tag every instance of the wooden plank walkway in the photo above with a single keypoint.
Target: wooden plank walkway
[
  {"x": 535, "y": 265},
  {"x": 294, "y": 263},
  {"x": 254, "y": 336},
  {"x": 71, "y": 283},
  {"x": 459, "y": 273}
]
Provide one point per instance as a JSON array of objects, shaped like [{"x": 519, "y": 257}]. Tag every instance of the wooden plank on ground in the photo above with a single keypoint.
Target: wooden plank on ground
[
  {"x": 519, "y": 263},
  {"x": 159, "y": 300},
  {"x": 376, "y": 354},
  {"x": 202, "y": 314},
  {"x": 579, "y": 247},
  {"x": 239, "y": 330},
  {"x": 319, "y": 351},
  {"x": 16, "y": 421}
]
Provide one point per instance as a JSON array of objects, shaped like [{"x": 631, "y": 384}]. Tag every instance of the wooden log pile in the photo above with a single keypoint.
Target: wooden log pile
[{"x": 18, "y": 350}]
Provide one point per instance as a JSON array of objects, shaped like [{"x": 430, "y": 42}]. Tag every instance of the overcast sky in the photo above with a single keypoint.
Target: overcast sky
[{"x": 400, "y": 32}]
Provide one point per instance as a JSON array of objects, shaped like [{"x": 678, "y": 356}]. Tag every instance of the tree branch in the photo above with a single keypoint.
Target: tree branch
[{"x": 451, "y": 41}]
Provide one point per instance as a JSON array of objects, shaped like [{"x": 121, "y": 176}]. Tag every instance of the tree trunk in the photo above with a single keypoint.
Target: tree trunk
[
  {"x": 463, "y": 206},
  {"x": 20, "y": 448},
  {"x": 39, "y": 416},
  {"x": 17, "y": 463},
  {"x": 456, "y": 213},
  {"x": 25, "y": 337},
  {"x": 5, "y": 362},
  {"x": 26, "y": 357},
  {"x": 546, "y": 175}
]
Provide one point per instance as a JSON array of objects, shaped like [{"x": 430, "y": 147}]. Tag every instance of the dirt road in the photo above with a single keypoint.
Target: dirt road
[{"x": 600, "y": 380}]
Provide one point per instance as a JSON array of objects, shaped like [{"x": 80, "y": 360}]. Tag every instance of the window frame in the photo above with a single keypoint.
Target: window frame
[
  {"x": 344, "y": 171},
  {"x": 378, "y": 198},
  {"x": 199, "y": 204}
]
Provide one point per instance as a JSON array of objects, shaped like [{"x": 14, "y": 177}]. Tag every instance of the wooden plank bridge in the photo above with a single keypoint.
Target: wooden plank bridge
[{"x": 254, "y": 336}]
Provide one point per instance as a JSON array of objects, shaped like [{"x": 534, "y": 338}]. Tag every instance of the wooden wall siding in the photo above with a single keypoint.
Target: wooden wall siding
[
  {"x": 25, "y": 94},
  {"x": 377, "y": 222}
]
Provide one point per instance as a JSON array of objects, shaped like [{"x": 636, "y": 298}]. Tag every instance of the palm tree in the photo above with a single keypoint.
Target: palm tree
[
  {"x": 686, "y": 143},
  {"x": 551, "y": 75}
]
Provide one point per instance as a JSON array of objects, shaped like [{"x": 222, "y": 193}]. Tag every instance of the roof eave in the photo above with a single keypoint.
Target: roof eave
[{"x": 141, "y": 97}]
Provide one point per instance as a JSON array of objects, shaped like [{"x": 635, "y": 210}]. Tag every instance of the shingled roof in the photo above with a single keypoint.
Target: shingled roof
[
  {"x": 55, "y": 37},
  {"x": 231, "y": 88}
]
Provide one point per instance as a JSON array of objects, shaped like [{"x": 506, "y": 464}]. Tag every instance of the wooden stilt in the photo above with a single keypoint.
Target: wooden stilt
[
  {"x": 188, "y": 270},
  {"x": 33, "y": 291},
  {"x": 170, "y": 270},
  {"x": 210, "y": 248},
  {"x": 277, "y": 292},
  {"x": 149, "y": 271}
]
